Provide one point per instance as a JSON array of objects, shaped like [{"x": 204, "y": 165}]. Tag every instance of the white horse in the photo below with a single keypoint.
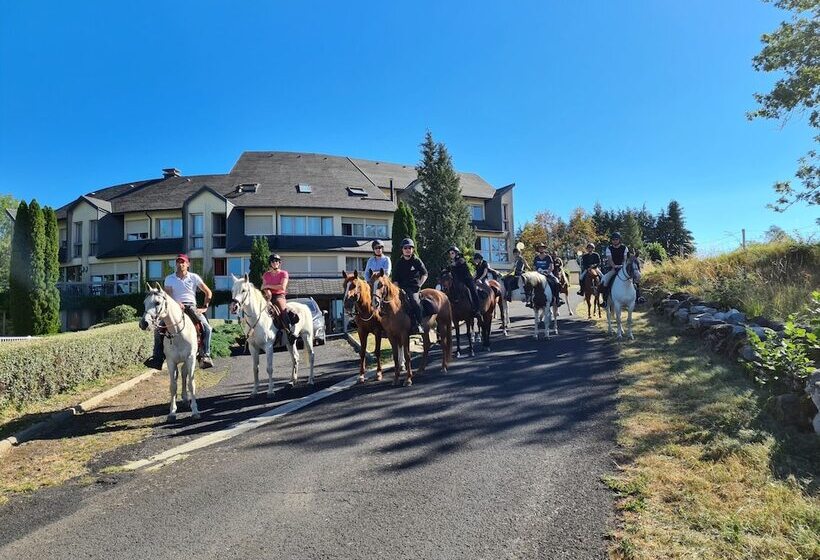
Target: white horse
[
  {"x": 261, "y": 330},
  {"x": 179, "y": 343},
  {"x": 622, "y": 295},
  {"x": 543, "y": 300}
]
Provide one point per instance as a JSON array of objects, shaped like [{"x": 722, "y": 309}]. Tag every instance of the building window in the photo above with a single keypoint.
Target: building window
[
  {"x": 136, "y": 230},
  {"x": 361, "y": 227},
  {"x": 92, "y": 238},
  {"x": 238, "y": 266},
  {"x": 498, "y": 250},
  {"x": 259, "y": 225},
  {"x": 355, "y": 263},
  {"x": 71, "y": 274},
  {"x": 327, "y": 265},
  {"x": 220, "y": 229},
  {"x": 169, "y": 228},
  {"x": 505, "y": 217},
  {"x": 307, "y": 225},
  {"x": 220, "y": 266},
  {"x": 63, "y": 238},
  {"x": 197, "y": 231},
  {"x": 78, "y": 240},
  {"x": 114, "y": 284},
  {"x": 476, "y": 212},
  {"x": 158, "y": 270}
]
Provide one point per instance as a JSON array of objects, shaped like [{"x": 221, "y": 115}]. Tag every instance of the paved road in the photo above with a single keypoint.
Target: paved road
[{"x": 500, "y": 458}]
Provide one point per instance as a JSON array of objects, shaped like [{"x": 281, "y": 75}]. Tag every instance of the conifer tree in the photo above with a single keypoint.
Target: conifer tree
[
  {"x": 20, "y": 273},
  {"x": 404, "y": 225},
  {"x": 260, "y": 253},
  {"x": 631, "y": 233},
  {"x": 52, "y": 271},
  {"x": 37, "y": 288},
  {"x": 441, "y": 213},
  {"x": 678, "y": 240}
]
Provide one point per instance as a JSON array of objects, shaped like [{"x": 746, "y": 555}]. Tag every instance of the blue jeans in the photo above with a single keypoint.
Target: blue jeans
[{"x": 159, "y": 352}]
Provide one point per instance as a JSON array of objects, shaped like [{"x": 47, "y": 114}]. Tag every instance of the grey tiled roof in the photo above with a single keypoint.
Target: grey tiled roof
[
  {"x": 403, "y": 175},
  {"x": 315, "y": 287}
]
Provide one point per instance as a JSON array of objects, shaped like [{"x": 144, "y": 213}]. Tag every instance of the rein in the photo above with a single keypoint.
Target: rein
[{"x": 169, "y": 324}]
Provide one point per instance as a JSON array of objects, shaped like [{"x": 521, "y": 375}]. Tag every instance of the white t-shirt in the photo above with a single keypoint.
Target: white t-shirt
[{"x": 183, "y": 290}]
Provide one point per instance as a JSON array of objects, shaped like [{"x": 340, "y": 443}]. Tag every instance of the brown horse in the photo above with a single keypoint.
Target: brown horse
[
  {"x": 392, "y": 304},
  {"x": 563, "y": 282},
  {"x": 500, "y": 302},
  {"x": 590, "y": 288},
  {"x": 463, "y": 310},
  {"x": 358, "y": 304}
]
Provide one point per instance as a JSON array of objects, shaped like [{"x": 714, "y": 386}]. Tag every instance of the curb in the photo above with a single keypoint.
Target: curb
[{"x": 63, "y": 416}]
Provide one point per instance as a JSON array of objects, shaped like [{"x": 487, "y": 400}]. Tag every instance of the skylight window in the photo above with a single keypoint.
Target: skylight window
[
  {"x": 356, "y": 191},
  {"x": 302, "y": 188}
]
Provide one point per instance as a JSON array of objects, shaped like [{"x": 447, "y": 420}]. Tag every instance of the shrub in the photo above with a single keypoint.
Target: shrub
[
  {"x": 223, "y": 338},
  {"x": 121, "y": 314},
  {"x": 655, "y": 252},
  {"x": 37, "y": 369}
]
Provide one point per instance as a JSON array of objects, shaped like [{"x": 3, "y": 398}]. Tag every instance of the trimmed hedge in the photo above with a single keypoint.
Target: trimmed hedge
[{"x": 37, "y": 369}]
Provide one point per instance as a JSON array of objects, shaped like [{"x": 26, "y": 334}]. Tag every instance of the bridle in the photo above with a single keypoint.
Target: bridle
[
  {"x": 378, "y": 298},
  {"x": 163, "y": 311},
  {"x": 353, "y": 310},
  {"x": 628, "y": 270},
  {"x": 240, "y": 306}
]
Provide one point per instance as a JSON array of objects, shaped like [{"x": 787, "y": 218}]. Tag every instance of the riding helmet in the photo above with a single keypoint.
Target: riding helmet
[
  {"x": 454, "y": 249},
  {"x": 478, "y": 257},
  {"x": 377, "y": 243},
  {"x": 616, "y": 235},
  {"x": 407, "y": 242},
  {"x": 592, "y": 245},
  {"x": 274, "y": 257}
]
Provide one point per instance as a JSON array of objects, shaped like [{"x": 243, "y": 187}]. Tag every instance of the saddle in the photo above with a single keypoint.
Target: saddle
[{"x": 200, "y": 343}]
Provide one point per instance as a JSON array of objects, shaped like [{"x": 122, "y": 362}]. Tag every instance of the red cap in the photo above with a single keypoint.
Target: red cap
[{"x": 183, "y": 257}]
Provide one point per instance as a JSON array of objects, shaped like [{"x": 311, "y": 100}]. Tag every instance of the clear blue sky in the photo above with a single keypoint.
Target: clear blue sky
[{"x": 624, "y": 102}]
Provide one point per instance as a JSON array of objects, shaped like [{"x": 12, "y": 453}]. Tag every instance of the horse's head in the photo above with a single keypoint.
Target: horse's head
[
  {"x": 633, "y": 268},
  {"x": 520, "y": 288},
  {"x": 446, "y": 280},
  {"x": 156, "y": 307},
  {"x": 241, "y": 293},
  {"x": 379, "y": 281},
  {"x": 355, "y": 289}
]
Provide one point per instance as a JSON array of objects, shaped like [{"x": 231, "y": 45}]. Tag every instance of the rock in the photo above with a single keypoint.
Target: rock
[
  {"x": 694, "y": 320},
  {"x": 813, "y": 391},
  {"x": 747, "y": 353},
  {"x": 762, "y": 332},
  {"x": 680, "y": 296},
  {"x": 681, "y": 317},
  {"x": 736, "y": 317},
  {"x": 697, "y": 309},
  {"x": 708, "y": 321},
  {"x": 718, "y": 336},
  {"x": 789, "y": 409},
  {"x": 769, "y": 324}
]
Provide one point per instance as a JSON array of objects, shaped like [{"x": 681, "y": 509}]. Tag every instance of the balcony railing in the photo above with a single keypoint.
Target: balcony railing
[{"x": 83, "y": 289}]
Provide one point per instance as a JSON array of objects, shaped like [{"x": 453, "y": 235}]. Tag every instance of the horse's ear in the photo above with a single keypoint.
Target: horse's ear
[
  {"x": 247, "y": 278},
  {"x": 381, "y": 271},
  {"x": 355, "y": 274},
  {"x": 233, "y": 278},
  {"x": 344, "y": 274},
  {"x": 158, "y": 287},
  {"x": 148, "y": 285}
]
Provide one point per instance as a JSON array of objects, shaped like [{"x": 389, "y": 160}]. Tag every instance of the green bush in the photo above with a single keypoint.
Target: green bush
[
  {"x": 792, "y": 358},
  {"x": 121, "y": 314},
  {"x": 33, "y": 370},
  {"x": 223, "y": 337},
  {"x": 655, "y": 252}
]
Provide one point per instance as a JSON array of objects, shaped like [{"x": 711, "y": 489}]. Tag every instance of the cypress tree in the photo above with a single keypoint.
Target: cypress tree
[
  {"x": 404, "y": 225},
  {"x": 631, "y": 233},
  {"x": 440, "y": 211},
  {"x": 52, "y": 271},
  {"x": 679, "y": 240},
  {"x": 260, "y": 253},
  {"x": 37, "y": 290},
  {"x": 20, "y": 273}
]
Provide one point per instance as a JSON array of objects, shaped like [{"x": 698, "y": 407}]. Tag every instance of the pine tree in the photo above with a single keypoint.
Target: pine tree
[
  {"x": 631, "y": 233},
  {"x": 404, "y": 225},
  {"x": 39, "y": 297},
  {"x": 20, "y": 273},
  {"x": 52, "y": 270},
  {"x": 441, "y": 214},
  {"x": 679, "y": 240},
  {"x": 260, "y": 253}
]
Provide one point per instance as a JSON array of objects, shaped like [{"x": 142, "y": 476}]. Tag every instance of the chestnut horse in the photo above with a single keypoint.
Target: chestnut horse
[
  {"x": 591, "y": 283},
  {"x": 358, "y": 305},
  {"x": 501, "y": 303},
  {"x": 391, "y": 302},
  {"x": 563, "y": 283},
  {"x": 462, "y": 310}
]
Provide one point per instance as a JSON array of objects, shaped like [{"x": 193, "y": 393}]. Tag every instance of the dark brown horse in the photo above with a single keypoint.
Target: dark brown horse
[
  {"x": 358, "y": 304},
  {"x": 563, "y": 281},
  {"x": 463, "y": 310},
  {"x": 501, "y": 302},
  {"x": 590, "y": 287},
  {"x": 392, "y": 304}
]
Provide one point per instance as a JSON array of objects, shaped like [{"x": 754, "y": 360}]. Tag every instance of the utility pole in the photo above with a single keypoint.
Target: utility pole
[{"x": 743, "y": 238}]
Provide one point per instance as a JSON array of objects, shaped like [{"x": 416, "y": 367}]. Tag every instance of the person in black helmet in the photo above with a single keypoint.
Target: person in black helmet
[
  {"x": 460, "y": 272},
  {"x": 378, "y": 261},
  {"x": 589, "y": 260},
  {"x": 275, "y": 288},
  {"x": 615, "y": 256},
  {"x": 410, "y": 274}
]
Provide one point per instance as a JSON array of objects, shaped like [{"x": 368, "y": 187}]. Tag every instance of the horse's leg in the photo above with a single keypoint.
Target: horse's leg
[
  {"x": 172, "y": 379},
  {"x": 442, "y": 341},
  {"x": 308, "y": 340},
  {"x": 609, "y": 317},
  {"x": 535, "y": 322},
  {"x": 255, "y": 360},
  {"x": 569, "y": 307},
  {"x": 378, "y": 337},
  {"x": 629, "y": 320},
  {"x": 409, "y": 379},
  {"x": 363, "y": 336},
  {"x": 425, "y": 340},
  {"x": 617, "y": 306},
  {"x": 293, "y": 349},
  {"x": 458, "y": 338},
  {"x": 188, "y": 371},
  {"x": 184, "y": 374},
  {"x": 397, "y": 360},
  {"x": 269, "y": 364},
  {"x": 555, "y": 317},
  {"x": 470, "y": 336}
]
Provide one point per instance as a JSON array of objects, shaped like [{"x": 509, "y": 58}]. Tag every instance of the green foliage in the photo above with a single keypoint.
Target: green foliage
[
  {"x": 260, "y": 252},
  {"x": 655, "y": 252},
  {"x": 19, "y": 291},
  {"x": 121, "y": 314},
  {"x": 404, "y": 225},
  {"x": 51, "y": 261},
  {"x": 792, "y": 51},
  {"x": 792, "y": 358},
  {"x": 631, "y": 233},
  {"x": 440, "y": 211},
  {"x": 7, "y": 202},
  {"x": 37, "y": 369},
  {"x": 224, "y": 337},
  {"x": 672, "y": 233},
  {"x": 37, "y": 280}
]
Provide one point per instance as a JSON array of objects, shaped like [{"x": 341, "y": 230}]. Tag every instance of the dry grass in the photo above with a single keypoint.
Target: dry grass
[
  {"x": 773, "y": 279},
  {"x": 706, "y": 474}
]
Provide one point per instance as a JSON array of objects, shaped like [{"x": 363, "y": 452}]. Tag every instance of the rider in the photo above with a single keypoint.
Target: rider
[
  {"x": 589, "y": 260},
  {"x": 378, "y": 261},
  {"x": 410, "y": 274},
  {"x": 511, "y": 281},
  {"x": 460, "y": 272},
  {"x": 483, "y": 269},
  {"x": 559, "y": 272},
  {"x": 274, "y": 287},
  {"x": 182, "y": 286},
  {"x": 616, "y": 255},
  {"x": 543, "y": 264}
]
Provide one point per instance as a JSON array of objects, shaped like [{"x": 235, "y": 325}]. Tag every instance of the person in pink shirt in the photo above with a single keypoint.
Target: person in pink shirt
[{"x": 275, "y": 286}]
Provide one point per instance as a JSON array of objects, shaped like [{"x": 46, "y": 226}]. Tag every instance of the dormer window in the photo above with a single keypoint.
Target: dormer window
[
  {"x": 304, "y": 189},
  {"x": 356, "y": 191},
  {"x": 247, "y": 188}
]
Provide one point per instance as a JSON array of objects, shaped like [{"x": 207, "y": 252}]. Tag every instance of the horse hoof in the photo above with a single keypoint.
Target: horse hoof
[
  {"x": 443, "y": 370},
  {"x": 396, "y": 382},
  {"x": 458, "y": 354},
  {"x": 361, "y": 379},
  {"x": 196, "y": 416},
  {"x": 171, "y": 418},
  {"x": 408, "y": 382},
  {"x": 379, "y": 376}
]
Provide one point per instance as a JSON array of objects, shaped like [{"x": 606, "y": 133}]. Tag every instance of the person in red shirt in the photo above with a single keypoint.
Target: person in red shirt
[{"x": 275, "y": 286}]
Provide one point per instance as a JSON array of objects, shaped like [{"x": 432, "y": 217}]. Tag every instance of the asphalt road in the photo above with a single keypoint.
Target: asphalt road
[{"x": 500, "y": 458}]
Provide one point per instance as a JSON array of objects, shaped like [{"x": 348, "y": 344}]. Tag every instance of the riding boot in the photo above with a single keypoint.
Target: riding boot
[{"x": 638, "y": 297}]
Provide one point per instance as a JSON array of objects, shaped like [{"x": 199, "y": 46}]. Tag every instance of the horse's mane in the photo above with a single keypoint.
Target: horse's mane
[
  {"x": 256, "y": 294},
  {"x": 364, "y": 287}
]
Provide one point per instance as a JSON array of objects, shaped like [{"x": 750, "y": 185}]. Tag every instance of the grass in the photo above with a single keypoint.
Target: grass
[
  {"x": 705, "y": 472},
  {"x": 773, "y": 279},
  {"x": 387, "y": 349}
]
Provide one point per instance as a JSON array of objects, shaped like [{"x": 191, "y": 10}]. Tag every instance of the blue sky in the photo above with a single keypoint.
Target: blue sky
[{"x": 628, "y": 103}]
